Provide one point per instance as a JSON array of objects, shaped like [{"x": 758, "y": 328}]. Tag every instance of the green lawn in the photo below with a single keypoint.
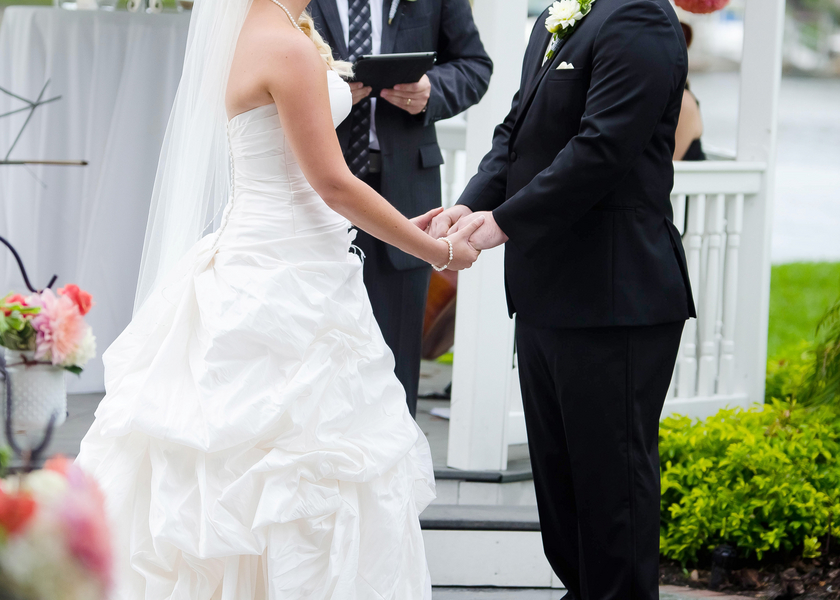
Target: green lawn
[{"x": 799, "y": 295}]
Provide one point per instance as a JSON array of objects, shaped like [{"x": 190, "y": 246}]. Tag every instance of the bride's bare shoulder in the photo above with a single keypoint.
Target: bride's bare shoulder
[{"x": 285, "y": 51}]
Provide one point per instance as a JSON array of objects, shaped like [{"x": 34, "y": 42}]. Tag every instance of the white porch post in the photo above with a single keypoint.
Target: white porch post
[
  {"x": 761, "y": 69},
  {"x": 483, "y": 333}
]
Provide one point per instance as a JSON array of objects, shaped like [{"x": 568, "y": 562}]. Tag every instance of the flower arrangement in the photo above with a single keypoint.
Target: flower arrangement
[
  {"x": 51, "y": 325},
  {"x": 701, "y": 7},
  {"x": 54, "y": 540},
  {"x": 563, "y": 18}
]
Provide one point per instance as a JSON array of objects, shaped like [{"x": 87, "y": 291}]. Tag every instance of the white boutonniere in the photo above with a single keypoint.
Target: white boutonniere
[
  {"x": 395, "y": 4},
  {"x": 563, "y": 17}
]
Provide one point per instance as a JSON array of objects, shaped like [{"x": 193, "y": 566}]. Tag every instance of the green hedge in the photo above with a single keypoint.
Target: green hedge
[{"x": 766, "y": 481}]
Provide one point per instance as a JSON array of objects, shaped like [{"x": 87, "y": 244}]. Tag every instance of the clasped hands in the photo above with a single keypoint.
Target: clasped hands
[{"x": 471, "y": 232}]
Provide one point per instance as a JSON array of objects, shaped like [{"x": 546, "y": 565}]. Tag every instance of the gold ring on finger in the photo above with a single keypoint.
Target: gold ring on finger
[{"x": 408, "y": 102}]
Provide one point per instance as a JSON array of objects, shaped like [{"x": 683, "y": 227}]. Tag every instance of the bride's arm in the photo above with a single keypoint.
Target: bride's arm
[{"x": 297, "y": 81}]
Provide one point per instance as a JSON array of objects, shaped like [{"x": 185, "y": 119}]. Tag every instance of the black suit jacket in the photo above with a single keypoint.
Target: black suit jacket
[
  {"x": 411, "y": 157},
  {"x": 580, "y": 173}
]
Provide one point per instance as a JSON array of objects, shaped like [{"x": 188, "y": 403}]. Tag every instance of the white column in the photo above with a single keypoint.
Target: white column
[
  {"x": 760, "y": 83},
  {"x": 483, "y": 332}
]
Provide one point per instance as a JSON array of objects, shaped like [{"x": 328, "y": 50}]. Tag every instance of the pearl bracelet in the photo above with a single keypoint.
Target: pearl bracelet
[{"x": 451, "y": 255}]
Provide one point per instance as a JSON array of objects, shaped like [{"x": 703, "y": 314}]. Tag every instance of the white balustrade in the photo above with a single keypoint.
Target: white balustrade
[{"x": 712, "y": 196}]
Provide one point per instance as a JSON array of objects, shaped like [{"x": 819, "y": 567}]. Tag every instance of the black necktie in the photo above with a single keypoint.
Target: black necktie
[{"x": 358, "y": 150}]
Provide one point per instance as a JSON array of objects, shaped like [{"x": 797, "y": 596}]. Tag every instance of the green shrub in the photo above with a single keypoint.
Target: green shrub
[
  {"x": 786, "y": 377},
  {"x": 766, "y": 481}
]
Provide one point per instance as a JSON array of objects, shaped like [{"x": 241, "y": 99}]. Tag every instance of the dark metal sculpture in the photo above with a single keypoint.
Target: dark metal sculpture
[{"x": 31, "y": 106}]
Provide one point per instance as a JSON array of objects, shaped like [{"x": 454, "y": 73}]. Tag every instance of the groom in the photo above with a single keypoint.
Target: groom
[{"x": 578, "y": 185}]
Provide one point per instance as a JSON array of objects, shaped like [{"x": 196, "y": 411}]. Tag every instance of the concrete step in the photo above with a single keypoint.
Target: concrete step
[
  {"x": 486, "y": 546},
  {"x": 446, "y": 517},
  {"x": 441, "y": 593}
]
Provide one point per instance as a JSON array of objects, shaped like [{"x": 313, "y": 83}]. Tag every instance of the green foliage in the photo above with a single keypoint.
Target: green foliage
[
  {"x": 16, "y": 331},
  {"x": 800, "y": 293},
  {"x": 766, "y": 481},
  {"x": 787, "y": 376},
  {"x": 5, "y": 459},
  {"x": 822, "y": 382},
  {"x": 810, "y": 375}
]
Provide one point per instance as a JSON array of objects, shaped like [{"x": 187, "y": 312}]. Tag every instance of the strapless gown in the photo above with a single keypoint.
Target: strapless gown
[{"x": 254, "y": 442}]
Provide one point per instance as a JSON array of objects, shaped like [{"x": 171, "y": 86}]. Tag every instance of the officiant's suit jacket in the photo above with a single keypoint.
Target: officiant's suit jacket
[
  {"x": 580, "y": 173},
  {"x": 411, "y": 157}
]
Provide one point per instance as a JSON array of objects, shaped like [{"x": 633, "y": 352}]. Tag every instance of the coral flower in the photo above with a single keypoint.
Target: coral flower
[
  {"x": 701, "y": 7},
  {"x": 82, "y": 298},
  {"x": 13, "y": 299},
  {"x": 15, "y": 511},
  {"x": 60, "y": 328}
]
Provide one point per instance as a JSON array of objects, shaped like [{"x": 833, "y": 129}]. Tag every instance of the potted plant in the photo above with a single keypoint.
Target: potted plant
[{"x": 43, "y": 335}]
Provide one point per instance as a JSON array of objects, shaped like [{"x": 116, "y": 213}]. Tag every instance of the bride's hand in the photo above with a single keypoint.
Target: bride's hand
[
  {"x": 424, "y": 221},
  {"x": 463, "y": 252}
]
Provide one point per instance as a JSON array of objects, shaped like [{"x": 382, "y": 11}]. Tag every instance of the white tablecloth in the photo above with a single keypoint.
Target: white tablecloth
[{"x": 116, "y": 74}]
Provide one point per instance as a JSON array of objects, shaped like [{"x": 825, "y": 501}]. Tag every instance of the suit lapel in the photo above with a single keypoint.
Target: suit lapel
[
  {"x": 537, "y": 79},
  {"x": 330, "y": 11},
  {"x": 389, "y": 32},
  {"x": 535, "y": 65}
]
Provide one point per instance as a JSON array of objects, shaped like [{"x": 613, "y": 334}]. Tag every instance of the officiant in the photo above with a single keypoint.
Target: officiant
[{"x": 390, "y": 142}]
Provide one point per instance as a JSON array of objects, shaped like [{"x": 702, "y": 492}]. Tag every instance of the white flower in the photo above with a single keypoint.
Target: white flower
[
  {"x": 46, "y": 486},
  {"x": 85, "y": 351},
  {"x": 563, "y": 14}
]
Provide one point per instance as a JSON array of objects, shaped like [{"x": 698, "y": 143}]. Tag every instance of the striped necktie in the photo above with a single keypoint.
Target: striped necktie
[{"x": 357, "y": 154}]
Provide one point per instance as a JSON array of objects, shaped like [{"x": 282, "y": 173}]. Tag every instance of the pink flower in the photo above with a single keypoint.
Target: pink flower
[
  {"x": 83, "y": 515},
  {"x": 82, "y": 299},
  {"x": 701, "y": 7},
  {"x": 59, "y": 326}
]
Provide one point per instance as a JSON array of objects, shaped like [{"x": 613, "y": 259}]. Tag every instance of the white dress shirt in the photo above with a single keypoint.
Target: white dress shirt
[{"x": 376, "y": 39}]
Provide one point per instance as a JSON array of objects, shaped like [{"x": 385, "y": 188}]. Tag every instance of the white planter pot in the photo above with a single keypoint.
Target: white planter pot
[{"x": 38, "y": 393}]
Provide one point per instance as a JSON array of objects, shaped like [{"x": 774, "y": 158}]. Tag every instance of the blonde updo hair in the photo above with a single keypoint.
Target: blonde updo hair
[{"x": 343, "y": 68}]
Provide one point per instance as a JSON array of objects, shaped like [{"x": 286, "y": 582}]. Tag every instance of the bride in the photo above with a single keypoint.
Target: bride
[{"x": 254, "y": 442}]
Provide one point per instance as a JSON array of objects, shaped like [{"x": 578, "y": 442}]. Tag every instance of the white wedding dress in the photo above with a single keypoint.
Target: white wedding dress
[{"x": 254, "y": 442}]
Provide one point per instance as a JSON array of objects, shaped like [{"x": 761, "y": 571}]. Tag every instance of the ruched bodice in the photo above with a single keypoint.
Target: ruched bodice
[
  {"x": 254, "y": 442},
  {"x": 271, "y": 195}
]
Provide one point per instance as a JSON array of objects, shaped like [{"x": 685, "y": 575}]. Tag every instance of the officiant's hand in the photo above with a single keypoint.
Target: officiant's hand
[
  {"x": 443, "y": 222},
  {"x": 411, "y": 97},
  {"x": 488, "y": 235},
  {"x": 360, "y": 91}
]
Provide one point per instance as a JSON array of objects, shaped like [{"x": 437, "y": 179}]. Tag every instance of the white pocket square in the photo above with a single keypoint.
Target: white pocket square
[{"x": 565, "y": 65}]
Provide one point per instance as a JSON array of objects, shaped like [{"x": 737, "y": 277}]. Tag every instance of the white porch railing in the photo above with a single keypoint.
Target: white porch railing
[{"x": 709, "y": 201}]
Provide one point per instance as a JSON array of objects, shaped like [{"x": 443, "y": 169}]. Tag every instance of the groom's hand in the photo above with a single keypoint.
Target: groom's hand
[
  {"x": 489, "y": 235},
  {"x": 443, "y": 222},
  {"x": 424, "y": 221}
]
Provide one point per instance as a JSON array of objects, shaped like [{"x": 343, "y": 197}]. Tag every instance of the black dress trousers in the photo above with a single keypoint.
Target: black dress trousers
[
  {"x": 398, "y": 298},
  {"x": 592, "y": 399}
]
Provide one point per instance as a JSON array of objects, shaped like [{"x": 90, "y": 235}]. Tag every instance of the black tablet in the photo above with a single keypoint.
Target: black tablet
[{"x": 387, "y": 70}]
